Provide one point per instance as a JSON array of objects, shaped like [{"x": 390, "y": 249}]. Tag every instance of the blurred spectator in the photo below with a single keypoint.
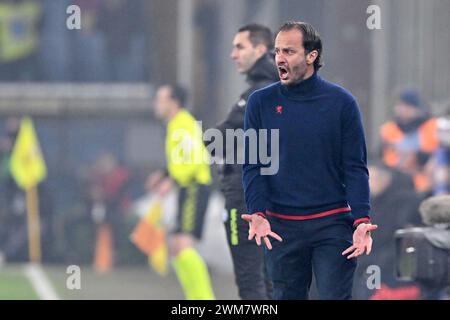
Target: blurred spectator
[
  {"x": 410, "y": 139},
  {"x": 122, "y": 24},
  {"x": 395, "y": 205},
  {"x": 88, "y": 52},
  {"x": 440, "y": 167},
  {"x": 55, "y": 52},
  {"x": 110, "y": 46},
  {"x": 109, "y": 202},
  {"x": 19, "y": 39}
]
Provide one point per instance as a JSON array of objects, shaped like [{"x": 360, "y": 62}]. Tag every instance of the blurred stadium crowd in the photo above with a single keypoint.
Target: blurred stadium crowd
[
  {"x": 36, "y": 49},
  {"x": 96, "y": 173}
]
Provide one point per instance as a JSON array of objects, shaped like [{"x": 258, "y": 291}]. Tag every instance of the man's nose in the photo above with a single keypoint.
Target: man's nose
[
  {"x": 279, "y": 59},
  {"x": 233, "y": 54}
]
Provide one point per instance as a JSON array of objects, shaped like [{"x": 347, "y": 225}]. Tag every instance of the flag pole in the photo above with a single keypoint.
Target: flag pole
[
  {"x": 27, "y": 167},
  {"x": 34, "y": 236}
]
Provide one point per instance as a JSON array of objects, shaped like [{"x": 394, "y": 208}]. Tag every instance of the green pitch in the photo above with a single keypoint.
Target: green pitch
[
  {"x": 14, "y": 285},
  {"x": 121, "y": 283}
]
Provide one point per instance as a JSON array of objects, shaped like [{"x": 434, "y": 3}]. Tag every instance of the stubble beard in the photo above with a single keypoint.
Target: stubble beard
[{"x": 300, "y": 71}]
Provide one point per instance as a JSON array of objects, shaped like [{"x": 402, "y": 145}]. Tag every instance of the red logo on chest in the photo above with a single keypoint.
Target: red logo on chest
[{"x": 279, "y": 109}]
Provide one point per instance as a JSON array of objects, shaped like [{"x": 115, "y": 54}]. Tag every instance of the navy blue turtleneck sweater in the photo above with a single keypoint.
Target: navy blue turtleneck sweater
[{"x": 322, "y": 152}]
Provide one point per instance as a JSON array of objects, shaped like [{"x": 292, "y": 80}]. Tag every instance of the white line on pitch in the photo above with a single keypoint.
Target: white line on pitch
[{"x": 40, "y": 282}]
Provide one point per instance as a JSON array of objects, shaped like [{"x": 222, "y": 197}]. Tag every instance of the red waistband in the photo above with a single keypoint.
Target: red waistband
[{"x": 311, "y": 216}]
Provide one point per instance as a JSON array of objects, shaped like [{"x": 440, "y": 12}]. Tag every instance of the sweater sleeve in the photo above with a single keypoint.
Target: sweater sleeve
[
  {"x": 354, "y": 158},
  {"x": 255, "y": 184}
]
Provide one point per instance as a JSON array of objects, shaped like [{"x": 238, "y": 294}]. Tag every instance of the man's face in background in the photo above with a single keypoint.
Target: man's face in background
[
  {"x": 443, "y": 131},
  {"x": 406, "y": 113},
  {"x": 163, "y": 103},
  {"x": 244, "y": 53}
]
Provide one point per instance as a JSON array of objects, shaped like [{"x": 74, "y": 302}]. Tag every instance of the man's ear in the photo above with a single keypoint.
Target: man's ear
[
  {"x": 311, "y": 57},
  {"x": 261, "y": 50}
]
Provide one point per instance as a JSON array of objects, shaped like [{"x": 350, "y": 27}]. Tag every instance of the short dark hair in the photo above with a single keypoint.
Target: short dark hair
[
  {"x": 178, "y": 93},
  {"x": 311, "y": 39},
  {"x": 259, "y": 34}
]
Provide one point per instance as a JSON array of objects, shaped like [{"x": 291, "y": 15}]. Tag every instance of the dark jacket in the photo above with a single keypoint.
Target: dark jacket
[
  {"x": 260, "y": 75},
  {"x": 395, "y": 208}
]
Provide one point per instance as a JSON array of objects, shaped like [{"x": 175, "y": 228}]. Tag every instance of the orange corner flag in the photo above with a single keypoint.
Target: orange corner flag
[{"x": 150, "y": 237}]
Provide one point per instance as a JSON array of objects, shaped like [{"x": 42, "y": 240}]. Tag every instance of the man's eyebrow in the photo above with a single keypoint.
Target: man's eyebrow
[{"x": 284, "y": 48}]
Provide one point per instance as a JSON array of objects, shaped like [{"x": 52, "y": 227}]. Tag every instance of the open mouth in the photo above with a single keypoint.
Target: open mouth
[{"x": 283, "y": 72}]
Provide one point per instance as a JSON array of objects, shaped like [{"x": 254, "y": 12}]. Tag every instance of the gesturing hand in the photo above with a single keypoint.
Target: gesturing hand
[
  {"x": 260, "y": 228},
  {"x": 362, "y": 240}
]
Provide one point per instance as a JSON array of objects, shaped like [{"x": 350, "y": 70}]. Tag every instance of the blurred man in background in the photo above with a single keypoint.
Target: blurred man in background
[
  {"x": 110, "y": 200},
  {"x": 122, "y": 23},
  {"x": 252, "y": 46},
  {"x": 187, "y": 168},
  {"x": 87, "y": 44},
  {"x": 395, "y": 205},
  {"x": 440, "y": 165},
  {"x": 410, "y": 138}
]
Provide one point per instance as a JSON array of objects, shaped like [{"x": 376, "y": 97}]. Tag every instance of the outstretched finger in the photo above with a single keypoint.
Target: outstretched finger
[
  {"x": 275, "y": 236},
  {"x": 251, "y": 233},
  {"x": 372, "y": 227},
  {"x": 267, "y": 242},
  {"x": 369, "y": 248},
  {"x": 355, "y": 254},
  {"x": 358, "y": 252},
  {"x": 348, "y": 250},
  {"x": 247, "y": 217},
  {"x": 258, "y": 239}
]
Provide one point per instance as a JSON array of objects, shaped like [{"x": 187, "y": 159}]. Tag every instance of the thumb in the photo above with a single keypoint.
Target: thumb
[{"x": 247, "y": 217}]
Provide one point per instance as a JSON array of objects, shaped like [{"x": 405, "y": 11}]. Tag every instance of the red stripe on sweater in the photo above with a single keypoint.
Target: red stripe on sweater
[{"x": 311, "y": 216}]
